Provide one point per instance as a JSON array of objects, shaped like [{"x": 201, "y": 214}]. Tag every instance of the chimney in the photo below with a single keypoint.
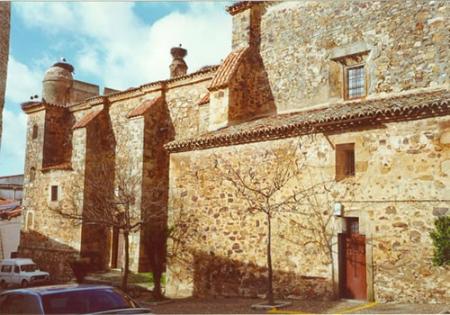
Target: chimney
[{"x": 178, "y": 67}]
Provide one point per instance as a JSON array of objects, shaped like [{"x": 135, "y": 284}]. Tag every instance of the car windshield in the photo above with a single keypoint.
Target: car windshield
[
  {"x": 85, "y": 301},
  {"x": 29, "y": 267}
]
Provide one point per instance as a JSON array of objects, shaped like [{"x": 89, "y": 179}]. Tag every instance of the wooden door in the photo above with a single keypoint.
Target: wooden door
[{"x": 353, "y": 262}]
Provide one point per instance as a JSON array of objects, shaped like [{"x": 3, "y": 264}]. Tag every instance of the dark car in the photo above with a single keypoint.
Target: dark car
[{"x": 69, "y": 299}]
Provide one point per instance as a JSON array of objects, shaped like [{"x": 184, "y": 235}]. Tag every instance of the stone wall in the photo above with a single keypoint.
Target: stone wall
[
  {"x": 182, "y": 97},
  {"x": 4, "y": 53},
  {"x": 408, "y": 42},
  {"x": 401, "y": 179},
  {"x": 48, "y": 238}
]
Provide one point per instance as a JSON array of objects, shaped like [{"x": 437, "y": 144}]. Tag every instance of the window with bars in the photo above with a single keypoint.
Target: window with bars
[{"x": 356, "y": 82}]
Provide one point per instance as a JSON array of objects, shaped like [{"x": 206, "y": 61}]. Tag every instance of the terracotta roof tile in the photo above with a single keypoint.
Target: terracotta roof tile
[
  {"x": 204, "y": 100},
  {"x": 144, "y": 107},
  {"x": 340, "y": 115},
  {"x": 85, "y": 120},
  {"x": 227, "y": 69}
]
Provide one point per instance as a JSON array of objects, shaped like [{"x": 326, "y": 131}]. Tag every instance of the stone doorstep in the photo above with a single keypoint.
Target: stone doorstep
[{"x": 266, "y": 306}]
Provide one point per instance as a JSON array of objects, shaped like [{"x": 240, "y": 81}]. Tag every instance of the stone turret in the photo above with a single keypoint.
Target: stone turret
[
  {"x": 57, "y": 83},
  {"x": 178, "y": 66}
]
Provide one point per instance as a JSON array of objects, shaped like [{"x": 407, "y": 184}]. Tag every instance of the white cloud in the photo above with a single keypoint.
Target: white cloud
[
  {"x": 22, "y": 82},
  {"x": 124, "y": 51},
  {"x": 12, "y": 152},
  {"x": 112, "y": 43}
]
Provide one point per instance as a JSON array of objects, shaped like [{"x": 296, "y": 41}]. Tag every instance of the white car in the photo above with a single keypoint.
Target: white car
[{"x": 21, "y": 271}]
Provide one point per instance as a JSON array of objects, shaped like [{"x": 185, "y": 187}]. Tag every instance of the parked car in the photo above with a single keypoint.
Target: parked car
[
  {"x": 69, "y": 299},
  {"x": 21, "y": 271}
]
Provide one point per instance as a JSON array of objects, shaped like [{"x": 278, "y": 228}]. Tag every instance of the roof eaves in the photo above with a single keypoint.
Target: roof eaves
[
  {"x": 349, "y": 114},
  {"x": 86, "y": 119},
  {"x": 144, "y": 107}
]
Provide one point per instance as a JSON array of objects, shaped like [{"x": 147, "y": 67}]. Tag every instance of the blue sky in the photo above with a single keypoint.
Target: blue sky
[{"x": 113, "y": 44}]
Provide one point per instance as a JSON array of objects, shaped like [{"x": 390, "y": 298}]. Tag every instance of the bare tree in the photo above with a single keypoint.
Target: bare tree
[
  {"x": 106, "y": 200},
  {"x": 262, "y": 188},
  {"x": 285, "y": 184}
]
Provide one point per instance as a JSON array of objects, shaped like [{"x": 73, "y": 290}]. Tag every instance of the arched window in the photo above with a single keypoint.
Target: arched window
[
  {"x": 29, "y": 220},
  {"x": 35, "y": 131}
]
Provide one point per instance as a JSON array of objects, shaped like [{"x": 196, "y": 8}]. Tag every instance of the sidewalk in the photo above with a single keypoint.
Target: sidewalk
[
  {"x": 243, "y": 306},
  {"x": 138, "y": 284}
]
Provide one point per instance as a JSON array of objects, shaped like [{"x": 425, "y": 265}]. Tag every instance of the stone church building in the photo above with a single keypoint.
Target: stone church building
[{"x": 355, "y": 93}]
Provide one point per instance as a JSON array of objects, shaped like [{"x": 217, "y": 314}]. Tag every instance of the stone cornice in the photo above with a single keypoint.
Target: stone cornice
[
  {"x": 141, "y": 90},
  {"x": 61, "y": 167},
  {"x": 341, "y": 117},
  {"x": 32, "y": 106}
]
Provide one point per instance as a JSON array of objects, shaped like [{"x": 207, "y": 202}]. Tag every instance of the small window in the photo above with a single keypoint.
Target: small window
[
  {"x": 54, "y": 193},
  {"x": 345, "y": 160},
  {"x": 35, "y": 132},
  {"x": 32, "y": 174},
  {"x": 6, "y": 268},
  {"x": 355, "y": 82},
  {"x": 16, "y": 269}
]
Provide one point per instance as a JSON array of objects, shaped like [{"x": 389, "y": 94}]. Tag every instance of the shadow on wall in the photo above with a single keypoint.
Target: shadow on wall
[
  {"x": 159, "y": 130},
  {"x": 251, "y": 94},
  {"x": 50, "y": 255},
  {"x": 98, "y": 191},
  {"x": 220, "y": 276}
]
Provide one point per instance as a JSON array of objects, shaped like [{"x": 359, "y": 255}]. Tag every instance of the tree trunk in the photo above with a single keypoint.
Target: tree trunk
[
  {"x": 127, "y": 258},
  {"x": 269, "y": 261},
  {"x": 157, "y": 295},
  {"x": 333, "y": 282}
]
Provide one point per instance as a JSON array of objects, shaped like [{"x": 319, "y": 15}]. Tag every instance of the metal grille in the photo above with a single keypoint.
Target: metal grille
[{"x": 356, "y": 82}]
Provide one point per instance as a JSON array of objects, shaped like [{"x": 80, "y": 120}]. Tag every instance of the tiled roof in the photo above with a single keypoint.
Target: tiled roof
[
  {"x": 227, "y": 69},
  {"x": 240, "y": 6},
  {"x": 204, "y": 100},
  {"x": 144, "y": 107},
  {"x": 341, "y": 115},
  {"x": 9, "y": 209},
  {"x": 85, "y": 120}
]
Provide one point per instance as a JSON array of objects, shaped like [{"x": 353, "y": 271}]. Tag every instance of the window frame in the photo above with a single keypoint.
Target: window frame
[
  {"x": 54, "y": 192},
  {"x": 34, "y": 132},
  {"x": 343, "y": 168},
  {"x": 346, "y": 86}
]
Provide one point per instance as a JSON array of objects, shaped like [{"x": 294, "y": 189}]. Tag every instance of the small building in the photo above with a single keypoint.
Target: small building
[
  {"x": 10, "y": 224},
  {"x": 11, "y": 187}
]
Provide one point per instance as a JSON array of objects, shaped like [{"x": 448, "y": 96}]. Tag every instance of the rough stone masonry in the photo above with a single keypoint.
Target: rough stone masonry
[{"x": 382, "y": 158}]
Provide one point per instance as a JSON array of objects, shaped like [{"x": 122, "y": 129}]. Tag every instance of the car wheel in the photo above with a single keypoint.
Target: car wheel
[
  {"x": 3, "y": 284},
  {"x": 24, "y": 284}
]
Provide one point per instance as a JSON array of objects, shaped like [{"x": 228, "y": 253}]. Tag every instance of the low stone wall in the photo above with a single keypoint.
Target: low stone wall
[{"x": 49, "y": 256}]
